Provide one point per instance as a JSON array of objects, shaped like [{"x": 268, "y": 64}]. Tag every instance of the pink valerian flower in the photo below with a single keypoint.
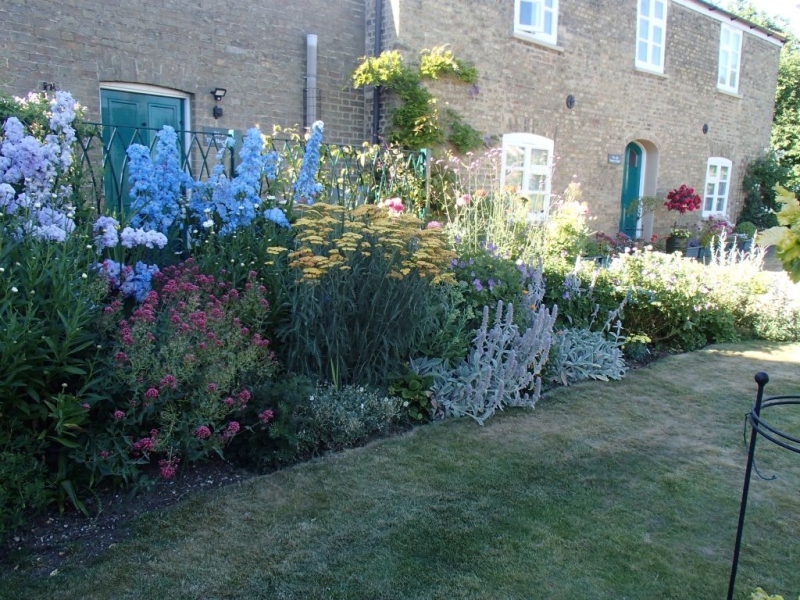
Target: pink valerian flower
[
  {"x": 104, "y": 454},
  {"x": 168, "y": 467},
  {"x": 228, "y": 401},
  {"x": 266, "y": 416},
  {"x": 212, "y": 387},
  {"x": 86, "y": 406},
  {"x": 395, "y": 205},
  {"x": 151, "y": 393},
  {"x": 463, "y": 200},
  {"x": 145, "y": 444},
  {"x": 168, "y": 381},
  {"x": 202, "y": 432},
  {"x": 433, "y": 225},
  {"x": 243, "y": 397},
  {"x": 231, "y": 430},
  {"x": 118, "y": 414},
  {"x": 121, "y": 356}
]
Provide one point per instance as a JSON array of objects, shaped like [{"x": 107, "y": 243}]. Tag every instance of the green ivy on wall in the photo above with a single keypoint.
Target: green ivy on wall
[{"x": 417, "y": 123}]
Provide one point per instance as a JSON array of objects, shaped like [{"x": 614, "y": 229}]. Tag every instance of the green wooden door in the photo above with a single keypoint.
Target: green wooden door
[
  {"x": 631, "y": 190},
  {"x": 131, "y": 118}
]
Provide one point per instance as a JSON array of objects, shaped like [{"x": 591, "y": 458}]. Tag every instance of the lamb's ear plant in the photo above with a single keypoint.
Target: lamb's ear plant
[{"x": 504, "y": 367}]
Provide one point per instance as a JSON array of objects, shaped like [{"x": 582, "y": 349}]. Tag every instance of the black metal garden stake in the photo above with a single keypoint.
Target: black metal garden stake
[{"x": 759, "y": 427}]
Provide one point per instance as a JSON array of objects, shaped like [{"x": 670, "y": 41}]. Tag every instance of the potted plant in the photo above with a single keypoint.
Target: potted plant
[
  {"x": 745, "y": 235},
  {"x": 682, "y": 200}
]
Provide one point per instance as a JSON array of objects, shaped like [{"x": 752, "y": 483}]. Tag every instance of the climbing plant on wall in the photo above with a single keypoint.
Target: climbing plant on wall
[{"x": 417, "y": 123}]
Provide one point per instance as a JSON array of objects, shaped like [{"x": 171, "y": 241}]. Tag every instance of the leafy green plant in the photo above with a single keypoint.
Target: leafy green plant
[
  {"x": 337, "y": 419},
  {"x": 439, "y": 60},
  {"x": 761, "y": 178},
  {"x": 274, "y": 416},
  {"x": 25, "y": 484},
  {"x": 746, "y": 228},
  {"x": 415, "y": 394},
  {"x": 416, "y": 122},
  {"x": 361, "y": 292}
]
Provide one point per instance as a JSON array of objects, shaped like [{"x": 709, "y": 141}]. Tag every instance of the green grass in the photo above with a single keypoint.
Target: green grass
[{"x": 615, "y": 490}]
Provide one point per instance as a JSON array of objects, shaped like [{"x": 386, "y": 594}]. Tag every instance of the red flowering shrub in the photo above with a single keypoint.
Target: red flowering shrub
[
  {"x": 182, "y": 360},
  {"x": 683, "y": 199}
]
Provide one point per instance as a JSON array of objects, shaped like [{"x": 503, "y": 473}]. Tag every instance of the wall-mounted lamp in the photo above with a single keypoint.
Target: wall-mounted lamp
[
  {"x": 219, "y": 94},
  {"x": 48, "y": 86},
  {"x": 705, "y": 128},
  {"x": 570, "y": 101}
]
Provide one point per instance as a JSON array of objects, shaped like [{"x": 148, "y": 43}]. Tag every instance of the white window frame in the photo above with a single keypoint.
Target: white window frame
[
  {"x": 730, "y": 59},
  {"x": 719, "y": 201},
  {"x": 646, "y": 26},
  {"x": 529, "y": 142},
  {"x": 536, "y": 31}
]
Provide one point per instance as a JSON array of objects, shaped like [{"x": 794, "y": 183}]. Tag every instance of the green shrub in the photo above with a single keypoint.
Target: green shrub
[
  {"x": 760, "y": 181},
  {"x": 25, "y": 484},
  {"x": 275, "y": 414},
  {"x": 334, "y": 419}
]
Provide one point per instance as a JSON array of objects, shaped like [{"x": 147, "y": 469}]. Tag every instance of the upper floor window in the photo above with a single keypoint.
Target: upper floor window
[
  {"x": 537, "y": 19},
  {"x": 730, "y": 52},
  {"x": 651, "y": 35},
  {"x": 715, "y": 194},
  {"x": 527, "y": 167}
]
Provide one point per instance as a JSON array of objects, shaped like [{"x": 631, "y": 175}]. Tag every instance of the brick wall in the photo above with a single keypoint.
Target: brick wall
[
  {"x": 254, "y": 49},
  {"x": 524, "y": 86}
]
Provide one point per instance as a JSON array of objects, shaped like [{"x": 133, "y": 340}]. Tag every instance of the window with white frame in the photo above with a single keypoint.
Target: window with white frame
[
  {"x": 537, "y": 19},
  {"x": 651, "y": 35},
  {"x": 715, "y": 194},
  {"x": 730, "y": 52},
  {"x": 527, "y": 166}
]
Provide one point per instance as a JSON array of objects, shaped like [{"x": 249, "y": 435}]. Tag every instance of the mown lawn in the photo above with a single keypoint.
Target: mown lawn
[{"x": 623, "y": 490}]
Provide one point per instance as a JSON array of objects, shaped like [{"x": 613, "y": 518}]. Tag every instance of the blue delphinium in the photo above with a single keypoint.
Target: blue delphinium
[
  {"x": 234, "y": 202},
  {"x": 157, "y": 185},
  {"x": 306, "y": 187},
  {"x": 277, "y": 216}
]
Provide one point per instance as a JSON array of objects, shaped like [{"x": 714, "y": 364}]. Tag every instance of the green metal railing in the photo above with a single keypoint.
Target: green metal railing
[{"x": 349, "y": 175}]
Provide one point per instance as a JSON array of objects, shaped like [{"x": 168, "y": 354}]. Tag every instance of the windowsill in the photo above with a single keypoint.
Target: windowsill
[
  {"x": 527, "y": 37},
  {"x": 730, "y": 93},
  {"x": 646, "y": 71}
]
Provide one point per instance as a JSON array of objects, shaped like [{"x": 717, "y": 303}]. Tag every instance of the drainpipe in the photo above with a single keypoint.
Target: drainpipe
[
  {"x": 311, "y": 79},
  {"x": 376, "y": 93}
]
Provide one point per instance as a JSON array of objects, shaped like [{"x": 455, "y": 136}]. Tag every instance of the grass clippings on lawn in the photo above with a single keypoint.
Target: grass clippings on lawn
[{"x": 613, "y": 490}]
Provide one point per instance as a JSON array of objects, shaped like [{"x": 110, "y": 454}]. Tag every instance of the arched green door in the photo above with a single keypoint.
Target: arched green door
[
  {"x": 631, "y": 190},
  {"x": 131, "y": 118}
]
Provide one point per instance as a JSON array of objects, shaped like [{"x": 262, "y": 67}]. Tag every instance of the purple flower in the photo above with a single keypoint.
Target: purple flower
[{"x": 478, "y": 285}]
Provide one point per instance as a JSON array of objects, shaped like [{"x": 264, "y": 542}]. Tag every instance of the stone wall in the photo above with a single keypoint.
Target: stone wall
[
  {"x": 524, "y": 86},
  {"x": 256, "y": 50}
]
